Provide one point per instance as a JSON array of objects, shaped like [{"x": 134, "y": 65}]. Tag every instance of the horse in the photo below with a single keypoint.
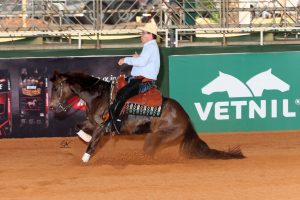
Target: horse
[
  {"x": 173, "y": 124},
  {"x": 32, "y": 104},
  {"x": 227, "y": 83},
  {"x": 266, "y": 81}
]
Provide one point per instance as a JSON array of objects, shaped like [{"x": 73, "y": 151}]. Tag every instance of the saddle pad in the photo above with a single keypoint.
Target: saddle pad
[
  {"x": 152, "y": 98},
  {"x": 136, "y": 109}
]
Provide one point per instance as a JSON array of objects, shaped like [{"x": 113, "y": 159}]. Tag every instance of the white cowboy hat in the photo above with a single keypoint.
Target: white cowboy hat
[{"x": 150, "y": 27}]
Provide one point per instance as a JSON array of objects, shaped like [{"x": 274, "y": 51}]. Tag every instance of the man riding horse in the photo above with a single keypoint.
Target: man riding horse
[
  {"x": 172, "y": 124},
  {"x": 143, "y": 74}
]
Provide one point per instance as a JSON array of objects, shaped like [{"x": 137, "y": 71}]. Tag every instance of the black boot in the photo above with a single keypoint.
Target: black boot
[
  {"x": 113, "y": 124},
  {"x": 126, "y": 92},
  {"x": 117, "y": 125},
  {"x": 114, "y": 112}
]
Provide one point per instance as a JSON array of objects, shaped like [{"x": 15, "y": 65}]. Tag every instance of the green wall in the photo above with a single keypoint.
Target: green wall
[{"x": 238, "y": 91}]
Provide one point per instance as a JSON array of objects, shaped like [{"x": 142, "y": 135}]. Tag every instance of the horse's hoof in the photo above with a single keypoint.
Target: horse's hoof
[
  {"x": 85, "y": 137},
  {"x": 86, "y": 157}
]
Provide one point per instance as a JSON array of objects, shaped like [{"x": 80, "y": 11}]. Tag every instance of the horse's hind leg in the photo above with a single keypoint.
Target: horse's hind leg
[
  {"x": 154, "y": 140},
  {"x": 161, "y": 137},
  {"x": 97, "y": 135}
]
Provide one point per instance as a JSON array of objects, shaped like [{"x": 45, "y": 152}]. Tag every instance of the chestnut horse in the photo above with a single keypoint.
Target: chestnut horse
[{"x": 173, "y": 125}]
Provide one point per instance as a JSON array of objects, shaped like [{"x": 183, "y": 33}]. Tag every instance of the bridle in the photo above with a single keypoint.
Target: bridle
[{"x": 62, "y": 107}]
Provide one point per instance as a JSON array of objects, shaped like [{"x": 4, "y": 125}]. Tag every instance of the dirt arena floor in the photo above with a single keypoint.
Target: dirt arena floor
[{"x": 51, "y": 169}]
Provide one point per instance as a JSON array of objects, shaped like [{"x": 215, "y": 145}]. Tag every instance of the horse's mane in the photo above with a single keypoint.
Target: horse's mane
[{"x": 87, "y": 82}]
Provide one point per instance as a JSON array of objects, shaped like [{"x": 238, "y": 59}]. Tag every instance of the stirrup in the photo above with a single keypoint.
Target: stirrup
[
  {"x": 111, "y": 127},
  {"x": 107, "y": 127}
]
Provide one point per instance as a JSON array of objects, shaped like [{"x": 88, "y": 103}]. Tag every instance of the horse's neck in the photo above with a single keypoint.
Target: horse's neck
[{"x": 89, "y": 96}]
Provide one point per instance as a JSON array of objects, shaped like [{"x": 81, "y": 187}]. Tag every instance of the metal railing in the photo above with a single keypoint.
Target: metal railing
[{"x": 179, "y": 21}]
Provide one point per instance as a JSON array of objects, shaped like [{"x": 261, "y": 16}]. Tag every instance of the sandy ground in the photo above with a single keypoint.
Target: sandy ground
[{"x": 41, "y": 169}]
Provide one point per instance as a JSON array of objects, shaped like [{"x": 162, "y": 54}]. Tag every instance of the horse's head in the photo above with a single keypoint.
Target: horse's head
[
  {"x": 60, "y": 93},
  {"x": 274, "y": 83},
  {"x": 266, "y": 81},
  {"x": 223, "y": 83},
  {"x": 215, "y": 85}
]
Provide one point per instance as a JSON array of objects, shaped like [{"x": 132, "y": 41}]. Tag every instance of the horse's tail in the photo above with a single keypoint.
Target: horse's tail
[{"x": 193, "y": 147}]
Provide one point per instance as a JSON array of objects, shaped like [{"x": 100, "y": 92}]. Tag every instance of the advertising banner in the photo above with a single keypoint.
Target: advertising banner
[
  {"x": 238, "y": 92},
  {"x": 25, "y": 92}
]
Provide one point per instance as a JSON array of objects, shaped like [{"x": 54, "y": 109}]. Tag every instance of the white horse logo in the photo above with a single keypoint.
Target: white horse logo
[
  {"x": 255, "y": 86},
  {"x": 266, "y": 81},
  {"x": 227, "y": 83}
]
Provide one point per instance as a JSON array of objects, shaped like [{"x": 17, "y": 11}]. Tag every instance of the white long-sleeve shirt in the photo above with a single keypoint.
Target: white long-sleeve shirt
[{"x": 147, "y": 64}]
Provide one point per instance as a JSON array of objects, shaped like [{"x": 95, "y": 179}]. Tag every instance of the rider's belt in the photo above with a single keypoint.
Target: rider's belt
[{"x": 143, "y": 78}]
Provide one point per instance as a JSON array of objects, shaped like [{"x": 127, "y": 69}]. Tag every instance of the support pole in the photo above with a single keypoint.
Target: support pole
[
  {"x": 79, "y": 41},
  {"x": 261, "y": 38},
  {"x": 24, "y": 13}
]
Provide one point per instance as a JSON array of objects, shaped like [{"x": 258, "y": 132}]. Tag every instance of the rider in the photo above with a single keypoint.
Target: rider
[{"x": 143, "y": 74}]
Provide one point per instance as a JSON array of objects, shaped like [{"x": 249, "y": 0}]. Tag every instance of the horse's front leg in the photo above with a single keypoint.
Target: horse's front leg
[
  {"x": 85, "y": 131},
  {"x": 84, "y": 136},
  {"x": 97, "y": 135}
]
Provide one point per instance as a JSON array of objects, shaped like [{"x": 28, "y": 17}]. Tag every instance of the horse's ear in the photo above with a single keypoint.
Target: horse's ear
[
  {"x": 269, "y": 70},
  {"x": 54, "y": 76},
  {"x": 220, "y": 73}
]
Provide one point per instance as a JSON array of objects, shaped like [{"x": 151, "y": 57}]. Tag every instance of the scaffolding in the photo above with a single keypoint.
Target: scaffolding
[{"x": 180, "y": 22}]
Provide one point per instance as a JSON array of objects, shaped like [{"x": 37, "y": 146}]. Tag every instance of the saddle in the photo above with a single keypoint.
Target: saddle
[{"x": 147, "y": 103}]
